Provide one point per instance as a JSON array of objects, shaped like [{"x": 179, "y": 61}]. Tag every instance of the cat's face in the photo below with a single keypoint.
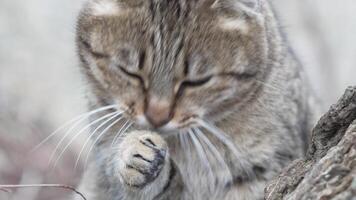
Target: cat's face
[{"x": 171, "y": 62}]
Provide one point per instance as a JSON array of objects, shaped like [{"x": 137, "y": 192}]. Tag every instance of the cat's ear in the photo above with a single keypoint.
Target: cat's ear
[
  {"x": 103, "y": 7},
  {"x": 248, "y": 7},
  {"x": 111, "y": 7}
]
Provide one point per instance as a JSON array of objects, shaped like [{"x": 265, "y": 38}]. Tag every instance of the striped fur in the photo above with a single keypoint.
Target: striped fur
[{"x": 233, "y": 88}]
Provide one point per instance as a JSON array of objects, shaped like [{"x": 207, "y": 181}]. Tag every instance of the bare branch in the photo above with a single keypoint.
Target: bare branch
[
  {"x": 329, "y": 169},
  {"x": 6, "y": 188}
]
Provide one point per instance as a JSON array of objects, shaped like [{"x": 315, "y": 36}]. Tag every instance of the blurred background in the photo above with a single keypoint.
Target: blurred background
[{"x": 40, "y": 86}]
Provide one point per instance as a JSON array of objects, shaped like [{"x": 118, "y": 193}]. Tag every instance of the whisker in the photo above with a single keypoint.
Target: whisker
[
  {"x": 202, "y": 154},
  {"x": 80, "y": 132},
  {"x": 81, "y": 116},
  {"x": 93, "y": 133},
  {"x": 246, "y": 166},
  {"x": 182, "y": 143},
  {"x": 185, "y": 147},
  {"x": 97, "y": 139},
  {"x": 214, "y": 151},
  {"x": 186, "y": 143},
  {"x": 72, "y": 128},
  {"x": 123, "y": 129}
]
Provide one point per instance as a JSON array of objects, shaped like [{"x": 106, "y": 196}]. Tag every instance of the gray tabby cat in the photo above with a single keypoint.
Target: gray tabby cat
[{"x": 195, "y": 99}]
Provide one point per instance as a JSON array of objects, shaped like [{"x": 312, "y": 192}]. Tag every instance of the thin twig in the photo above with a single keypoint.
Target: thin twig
[
  {"x": 5, "y": 190},
  {"x": 7, "y": 187}
]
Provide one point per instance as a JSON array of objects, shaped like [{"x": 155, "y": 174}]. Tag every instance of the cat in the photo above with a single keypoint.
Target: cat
[{"x": 191, "y": 99}]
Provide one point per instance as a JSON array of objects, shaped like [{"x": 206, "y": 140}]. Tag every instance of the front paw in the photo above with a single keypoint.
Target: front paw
[{"x": 142, "y": 156}]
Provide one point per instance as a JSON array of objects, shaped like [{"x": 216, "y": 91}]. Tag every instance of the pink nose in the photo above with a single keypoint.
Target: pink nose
[{"x": 158, "y": 113}]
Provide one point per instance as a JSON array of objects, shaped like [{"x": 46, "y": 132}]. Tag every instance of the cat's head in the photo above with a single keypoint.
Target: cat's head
[{"x": 170, "y": 62}]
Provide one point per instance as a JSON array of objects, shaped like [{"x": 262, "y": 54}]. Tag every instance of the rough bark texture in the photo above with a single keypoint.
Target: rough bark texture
[{"x": 329, "y": 169}]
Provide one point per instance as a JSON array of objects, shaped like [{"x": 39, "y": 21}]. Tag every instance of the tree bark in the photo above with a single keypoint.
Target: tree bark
[{"x": 329, "y": 169}]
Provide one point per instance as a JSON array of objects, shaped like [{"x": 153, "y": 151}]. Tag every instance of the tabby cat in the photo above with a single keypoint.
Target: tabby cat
[{"x": 191, "y": 99}]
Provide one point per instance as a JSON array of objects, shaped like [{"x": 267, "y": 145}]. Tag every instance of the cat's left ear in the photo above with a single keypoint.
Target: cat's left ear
[{"x": 248, "y": 7}]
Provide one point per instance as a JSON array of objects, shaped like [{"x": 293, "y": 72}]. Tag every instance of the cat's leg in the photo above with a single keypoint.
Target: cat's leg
[{"x": 144, "y": 167}]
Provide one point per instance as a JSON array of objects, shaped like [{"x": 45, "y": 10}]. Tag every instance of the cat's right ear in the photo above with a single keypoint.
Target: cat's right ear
[
  {"x": 247, "y": 7},
  {"x": 111, "y": 7},
  {"x": 103, "y": 7}
]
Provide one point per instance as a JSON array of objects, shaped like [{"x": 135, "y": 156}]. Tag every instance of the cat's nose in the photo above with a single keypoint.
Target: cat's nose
[{"x": 158, "y": 113}]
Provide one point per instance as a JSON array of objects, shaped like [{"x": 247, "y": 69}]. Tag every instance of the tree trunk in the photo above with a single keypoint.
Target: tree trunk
[{"x": 329, "y": 169}]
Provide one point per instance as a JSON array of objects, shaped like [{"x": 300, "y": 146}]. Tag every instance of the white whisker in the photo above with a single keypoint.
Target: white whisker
[
  {"x": 215, "y": 152},
  {"x": 182, "y": 143},
  {"x": 93, "y": 133},
  {"x": 97, "y": 139},
  {"x": 246, "y": 166},
  {"x": 186, "y": 144},
  {"x": 123, "y": 129},
  {"x": 202, "y": 154},
  {"x": 186, "y": 148},
  {"x": 81, "y": 116},
  {"x": 80, "y": 132},
  {"x": 72, "y": 128}
]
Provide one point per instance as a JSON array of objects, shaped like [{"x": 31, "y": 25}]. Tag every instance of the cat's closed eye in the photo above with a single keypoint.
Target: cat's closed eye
[
  {"x": 131, "y": 74},
  {"x": 128, "y": 73},
  {"x": 193, "y": 84},
  {"x": 241, "y": 76},
  {"x": 95, "y": 54},
  {"x": 196, "y": 83}
]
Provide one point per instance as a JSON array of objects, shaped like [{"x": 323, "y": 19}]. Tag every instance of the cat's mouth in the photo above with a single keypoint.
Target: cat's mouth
[{"x": 172, "y": 127}]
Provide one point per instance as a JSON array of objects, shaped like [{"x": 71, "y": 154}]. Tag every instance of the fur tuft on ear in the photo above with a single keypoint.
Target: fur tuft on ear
[
  {"x": 104, "y": 7},
  {"x": 233, "y": 14},
  {"x": 251, "y": 4},
  {"x": 249, "y": 7},
  {"x": 112, "y": 7}
]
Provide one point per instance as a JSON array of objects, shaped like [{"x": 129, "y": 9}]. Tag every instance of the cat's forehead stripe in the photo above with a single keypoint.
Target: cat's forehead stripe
[{"x": 104, "y": 8}]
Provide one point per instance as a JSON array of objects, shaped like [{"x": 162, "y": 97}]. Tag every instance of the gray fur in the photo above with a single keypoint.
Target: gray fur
[{"x": 250, "y": 108}]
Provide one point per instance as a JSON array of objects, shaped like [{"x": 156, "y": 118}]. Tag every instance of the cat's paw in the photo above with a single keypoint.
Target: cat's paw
[{"x": 142, "y": 156}]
